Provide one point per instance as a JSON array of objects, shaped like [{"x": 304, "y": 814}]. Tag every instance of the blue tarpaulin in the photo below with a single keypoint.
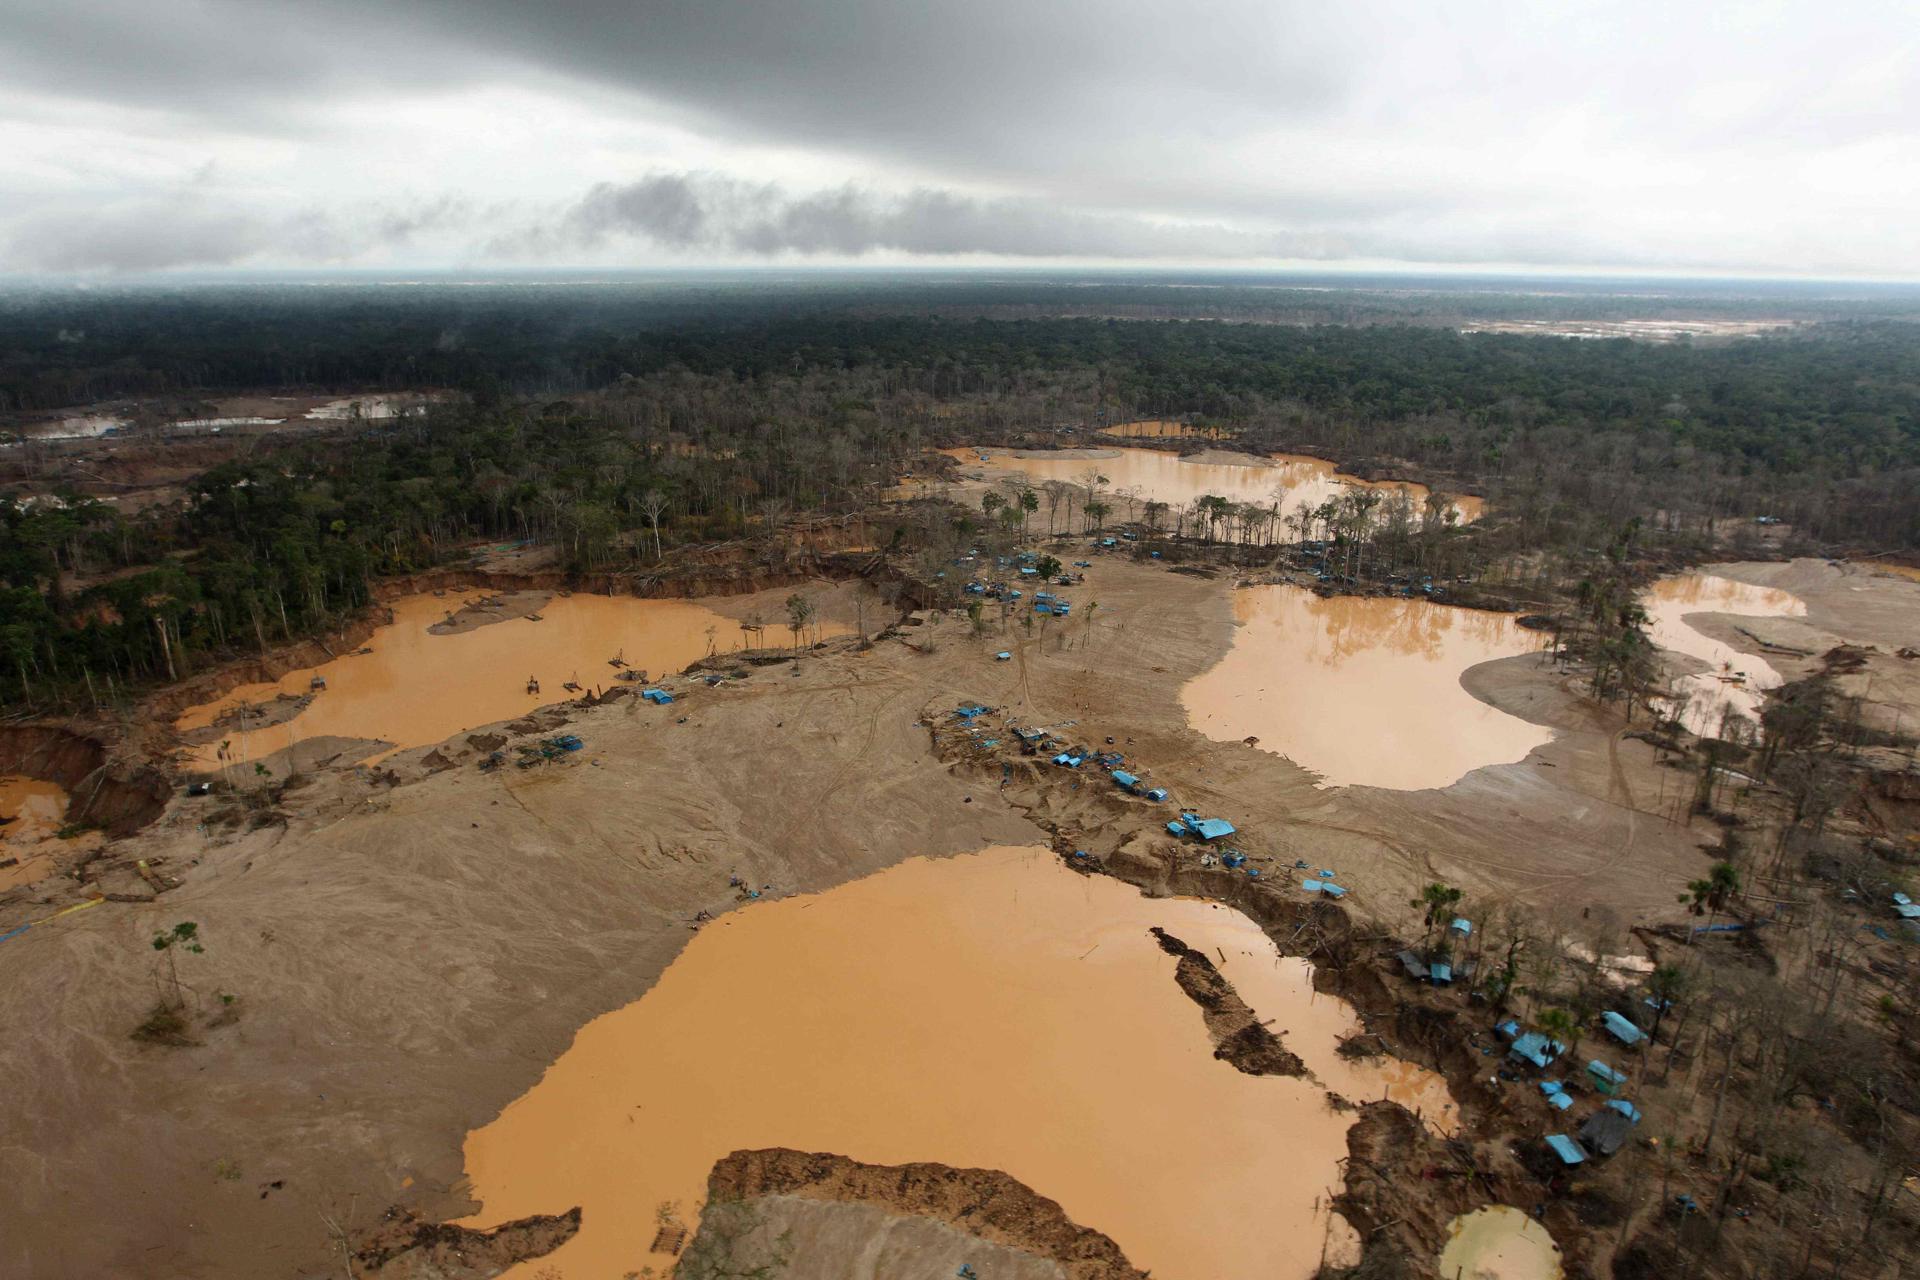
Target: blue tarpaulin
[
  {"x": 1569, "y": 1151},
  {"x": 1122, "y": 778},
  {"x": 1626, "y": 1109},
  {"x": 1605, "y": 1076},
  {"x": 1534, "y": 1047},
  {"x": 1622, "y": 1029}
]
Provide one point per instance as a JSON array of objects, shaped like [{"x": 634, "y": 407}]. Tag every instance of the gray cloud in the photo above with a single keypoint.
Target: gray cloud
[
  {"x": 715, "y": 214},
  {"x": 191, "y": 229},
  {"x": 1783, "y": 137}
]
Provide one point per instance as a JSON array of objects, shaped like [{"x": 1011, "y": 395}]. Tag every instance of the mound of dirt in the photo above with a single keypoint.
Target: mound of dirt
[
  {"x": 983, "y": 1203},
  {"x": 404, "y": 1247},
  {"x": 484, "y": 611},
  {"x": 1238, "y": 1036}
]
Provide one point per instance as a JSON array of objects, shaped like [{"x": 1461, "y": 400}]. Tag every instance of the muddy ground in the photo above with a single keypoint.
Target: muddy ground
[
  {"x": 1859, "y": 603},
  {"x": 409, "y": 946}
]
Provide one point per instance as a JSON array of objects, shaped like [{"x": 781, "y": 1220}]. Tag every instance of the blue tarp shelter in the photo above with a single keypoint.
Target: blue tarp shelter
[
  {"x": 1003, "y": 656},
  {"x": 1604, "y": 1076},
  {"x": 1621, "y": 1028},
  {"x": 1157, "y": 795},
  {"x": 1125, "y": 780},
  {"x": 1507, "y": 1030},
  {"x": 1569, "y": 1151},
  {"x": 1536, "y": 1048},
  {"x": 659, "y": 697},
  {"x": 1441, "y": 972},
  {"x": 1625, "y": 1108},
  {"x": 1461, "y": 926}
]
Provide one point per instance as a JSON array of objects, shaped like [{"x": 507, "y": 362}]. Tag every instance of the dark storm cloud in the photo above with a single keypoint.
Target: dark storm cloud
[
  {"x": 1777, "y": 137},
  {"x": 717, "y": 214},
  {"x": 967, "y": 84}
]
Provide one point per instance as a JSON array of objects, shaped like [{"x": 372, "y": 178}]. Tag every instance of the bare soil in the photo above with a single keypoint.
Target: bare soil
[
  {"x": 977, "y": 1205},
  {"x": 485, "y": 610},
  {"x": 415, "y": 943}
]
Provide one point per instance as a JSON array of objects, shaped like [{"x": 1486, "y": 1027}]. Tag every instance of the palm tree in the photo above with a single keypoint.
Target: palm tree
[
  {"x": 1709, "y": 897},
  {"x": 1561, "y": 1026},
  {"x": 1441, "y": 902}
]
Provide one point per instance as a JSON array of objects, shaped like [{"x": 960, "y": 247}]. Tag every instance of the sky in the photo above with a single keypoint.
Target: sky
[{"x": 1740, "y": 137}]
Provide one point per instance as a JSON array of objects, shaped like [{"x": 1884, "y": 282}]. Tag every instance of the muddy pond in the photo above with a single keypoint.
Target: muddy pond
[
  {"x": 1499, "y": 1243},
  {"x": 1363, "y": 690},
  {"x": 1734, "y": 682},
  {"x": 417, "y": 686},
  {"x": 992, "y": 1010},
  {"x": 1153, "y": 475},
  {"x": 31, "y": 813}
]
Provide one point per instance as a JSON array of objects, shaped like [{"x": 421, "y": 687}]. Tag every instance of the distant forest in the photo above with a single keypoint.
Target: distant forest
[{"x": 613, "y": 422}]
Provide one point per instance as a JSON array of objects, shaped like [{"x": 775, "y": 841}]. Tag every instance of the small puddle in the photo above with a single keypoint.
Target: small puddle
[
  {"x": 1734, "y": 681},
  {"x": 993, "y": 1010},
  {"x": 418, "y": 688},
  {"x": 1135, "y": 477},
  {"x": 35, "y": 812},
  {"x": 1363, "y": 690},
  {"x": 1499, "y": 1243},
  {"x": 1910, "y": 572}
]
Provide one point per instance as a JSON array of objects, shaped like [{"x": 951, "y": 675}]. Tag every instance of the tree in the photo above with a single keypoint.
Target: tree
[
  {"x": 1666, "y": 984},
  {"x": 1441, "y": 903},
  {"x": 1561, "y": 1025},
  {"x": 800, "y": 612},
  {"x": 653, "y": 504},
  {"x": 1710, "y": 896},
  {"x": 184, "y": 936}
]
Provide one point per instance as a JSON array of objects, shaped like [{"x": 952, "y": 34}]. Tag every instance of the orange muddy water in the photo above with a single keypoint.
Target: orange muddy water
[
  {"x": 417, "y": 688},
  {"x": 993, "y": 1010},
  {"x": 1158, "y": 476},
  {"x": 35, "y": 811},
  {"x": 1734, "y": 682},
  {"x": 1363, "y": 690}
]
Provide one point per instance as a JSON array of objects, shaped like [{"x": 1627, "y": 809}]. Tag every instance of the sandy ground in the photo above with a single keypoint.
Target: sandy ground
[
  {"x": 830, "y": 1240},
  {"x": 408, "y": 959},
  {"x": 478, "y": 609},
  {"x": 1857, "y": 603}
]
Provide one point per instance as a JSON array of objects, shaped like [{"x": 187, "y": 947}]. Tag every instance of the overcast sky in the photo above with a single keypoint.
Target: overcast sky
[{"x": 1632, "y": 135}]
